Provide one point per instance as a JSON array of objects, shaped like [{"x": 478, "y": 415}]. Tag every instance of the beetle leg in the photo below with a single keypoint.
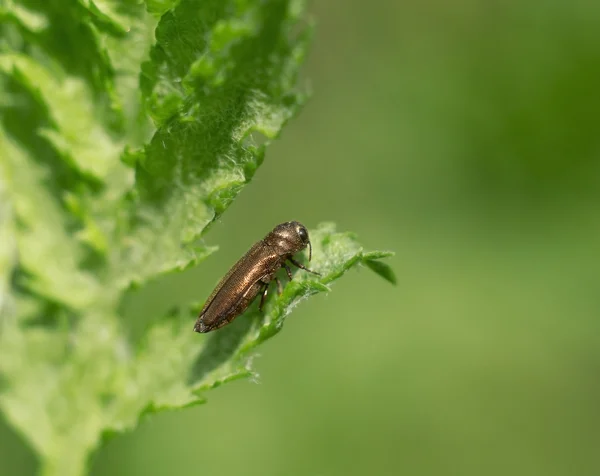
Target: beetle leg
[
  {"x": 288, "y": 270},
  {"x": 301, "y": 266},
  {"x": 264, "y": 295},
  {"x": 279, "y": 286}
]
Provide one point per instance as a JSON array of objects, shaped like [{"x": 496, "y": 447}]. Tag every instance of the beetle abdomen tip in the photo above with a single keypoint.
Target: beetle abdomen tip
[{"x": 200, "y": 327}]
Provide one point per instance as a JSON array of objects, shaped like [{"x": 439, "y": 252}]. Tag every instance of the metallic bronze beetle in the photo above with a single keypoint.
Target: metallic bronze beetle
[{"x": 252, "y": 275}]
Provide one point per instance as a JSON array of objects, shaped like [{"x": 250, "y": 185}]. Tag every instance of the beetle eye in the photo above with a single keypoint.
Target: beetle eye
[{"x": 303, "y": 233}]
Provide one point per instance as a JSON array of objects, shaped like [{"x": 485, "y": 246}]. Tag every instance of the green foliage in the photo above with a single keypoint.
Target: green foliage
[{"x": 127, "y": 129}]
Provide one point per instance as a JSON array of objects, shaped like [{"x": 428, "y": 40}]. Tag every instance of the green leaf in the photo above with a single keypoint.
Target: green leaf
[
  {"x": 7, "y": 255},
  {"x": 125, "y": 131},
  {"x": 384, "y": 270}
]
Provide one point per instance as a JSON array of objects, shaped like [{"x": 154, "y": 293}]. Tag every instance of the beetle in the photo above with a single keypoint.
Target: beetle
[{"x": 252, "y": 274}]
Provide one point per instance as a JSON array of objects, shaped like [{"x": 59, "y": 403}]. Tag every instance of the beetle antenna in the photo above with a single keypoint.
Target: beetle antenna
[{"x": 309, "y": 251}]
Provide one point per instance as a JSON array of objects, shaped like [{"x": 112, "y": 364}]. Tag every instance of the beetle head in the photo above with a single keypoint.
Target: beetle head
[{"x": 290, "y": 237}]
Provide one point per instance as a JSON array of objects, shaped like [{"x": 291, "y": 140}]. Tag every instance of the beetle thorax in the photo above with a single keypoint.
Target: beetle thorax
[{"x": 285, "y": 239}]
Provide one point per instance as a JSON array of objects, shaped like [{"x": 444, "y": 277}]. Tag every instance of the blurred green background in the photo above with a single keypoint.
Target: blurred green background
[{"x": 464, "y": 136}]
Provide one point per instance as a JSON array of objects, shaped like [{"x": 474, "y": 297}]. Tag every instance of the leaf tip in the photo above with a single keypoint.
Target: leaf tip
[{"x": 371, "y": 260}]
